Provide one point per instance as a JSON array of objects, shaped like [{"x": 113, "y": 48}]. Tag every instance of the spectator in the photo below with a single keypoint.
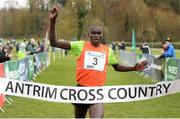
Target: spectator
[
  {"x": 38, "y": 47},
  {"x": 17, "y": 47},
  {"x": 13, "y": 41},
  {"x": 1, "y": 52},
  {"x": 31, "y": 47},
  {"x": 23, "y": 45},
  {"x": 145, "y": 49},
  {"x": 5, "y": 54},
  {"x": 122, "y": 46},
  {"x": 114, "y": 46},
  {"x": 168, "y": 49},
  {"x": 41, "y": 46},
  {"x": 21, "y": 53}
]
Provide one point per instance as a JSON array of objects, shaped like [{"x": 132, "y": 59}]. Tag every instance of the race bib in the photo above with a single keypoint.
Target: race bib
[{"x": 94, "y": 60}]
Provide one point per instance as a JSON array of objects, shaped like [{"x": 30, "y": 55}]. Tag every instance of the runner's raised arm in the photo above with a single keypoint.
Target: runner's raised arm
[{"x": 53, "y": 40}]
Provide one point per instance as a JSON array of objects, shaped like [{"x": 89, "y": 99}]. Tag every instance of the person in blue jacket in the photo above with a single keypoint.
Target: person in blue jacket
[{"x": 168, "y": 49}]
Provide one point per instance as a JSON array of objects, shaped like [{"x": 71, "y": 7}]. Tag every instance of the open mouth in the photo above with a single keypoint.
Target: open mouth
[{"x": 95, "y": 39}]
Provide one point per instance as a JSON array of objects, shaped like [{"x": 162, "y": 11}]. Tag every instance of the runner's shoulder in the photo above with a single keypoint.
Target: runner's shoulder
[
  {"x": 76, "y": 47},
  {"x": 111, "y": 50}
]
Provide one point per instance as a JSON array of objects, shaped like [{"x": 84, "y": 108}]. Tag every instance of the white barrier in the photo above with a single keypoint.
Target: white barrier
[{"x": 104, "y": 94}]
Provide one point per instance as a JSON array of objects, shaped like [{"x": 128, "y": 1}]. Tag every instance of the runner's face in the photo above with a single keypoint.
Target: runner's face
[{"x": 95, "y": 36}]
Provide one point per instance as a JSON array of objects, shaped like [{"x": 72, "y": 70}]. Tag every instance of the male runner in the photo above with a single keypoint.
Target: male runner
[{"x": 93, "y": 57}]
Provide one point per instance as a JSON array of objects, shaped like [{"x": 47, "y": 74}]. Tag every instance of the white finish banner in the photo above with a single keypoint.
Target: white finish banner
[{"x": 89, "y": 95}]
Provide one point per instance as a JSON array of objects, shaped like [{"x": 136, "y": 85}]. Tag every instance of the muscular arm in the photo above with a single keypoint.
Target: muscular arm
[
  {"x": 138, "y": 67},
  {"x": 53, "y": 41},
  {"x": 121, "y": 68}
]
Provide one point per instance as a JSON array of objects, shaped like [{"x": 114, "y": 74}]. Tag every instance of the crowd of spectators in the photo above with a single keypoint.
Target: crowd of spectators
[{"x": 21, "y": 49}]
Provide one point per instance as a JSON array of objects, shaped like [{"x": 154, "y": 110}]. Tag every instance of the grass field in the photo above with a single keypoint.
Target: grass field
[{"x": 62, "y": 72}]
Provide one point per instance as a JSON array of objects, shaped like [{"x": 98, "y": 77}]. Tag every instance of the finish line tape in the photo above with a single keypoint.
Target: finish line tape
[{"x": 88, "y": 95}]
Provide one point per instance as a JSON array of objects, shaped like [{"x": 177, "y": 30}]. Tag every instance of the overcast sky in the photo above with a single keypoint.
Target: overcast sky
[{"x": 16, "y": 3}]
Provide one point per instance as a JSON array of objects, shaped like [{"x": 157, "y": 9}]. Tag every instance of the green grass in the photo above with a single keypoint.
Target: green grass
[{"x": 62, "y": 72}]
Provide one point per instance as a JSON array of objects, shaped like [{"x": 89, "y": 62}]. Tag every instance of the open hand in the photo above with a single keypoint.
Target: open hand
[{"x": 141, "y": 66}]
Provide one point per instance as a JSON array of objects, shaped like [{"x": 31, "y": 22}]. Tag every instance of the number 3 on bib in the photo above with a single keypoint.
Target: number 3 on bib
[{"x": 94, "y": 60}]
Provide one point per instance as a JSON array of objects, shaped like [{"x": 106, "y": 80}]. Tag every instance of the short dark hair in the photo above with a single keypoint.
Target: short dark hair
[
  {"x": 95, "y": 27},
  {"x": 163, "y": 42}
]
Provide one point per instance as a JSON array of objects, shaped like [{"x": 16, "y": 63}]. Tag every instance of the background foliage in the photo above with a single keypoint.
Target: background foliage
[{"x": 152, "y": 20}]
